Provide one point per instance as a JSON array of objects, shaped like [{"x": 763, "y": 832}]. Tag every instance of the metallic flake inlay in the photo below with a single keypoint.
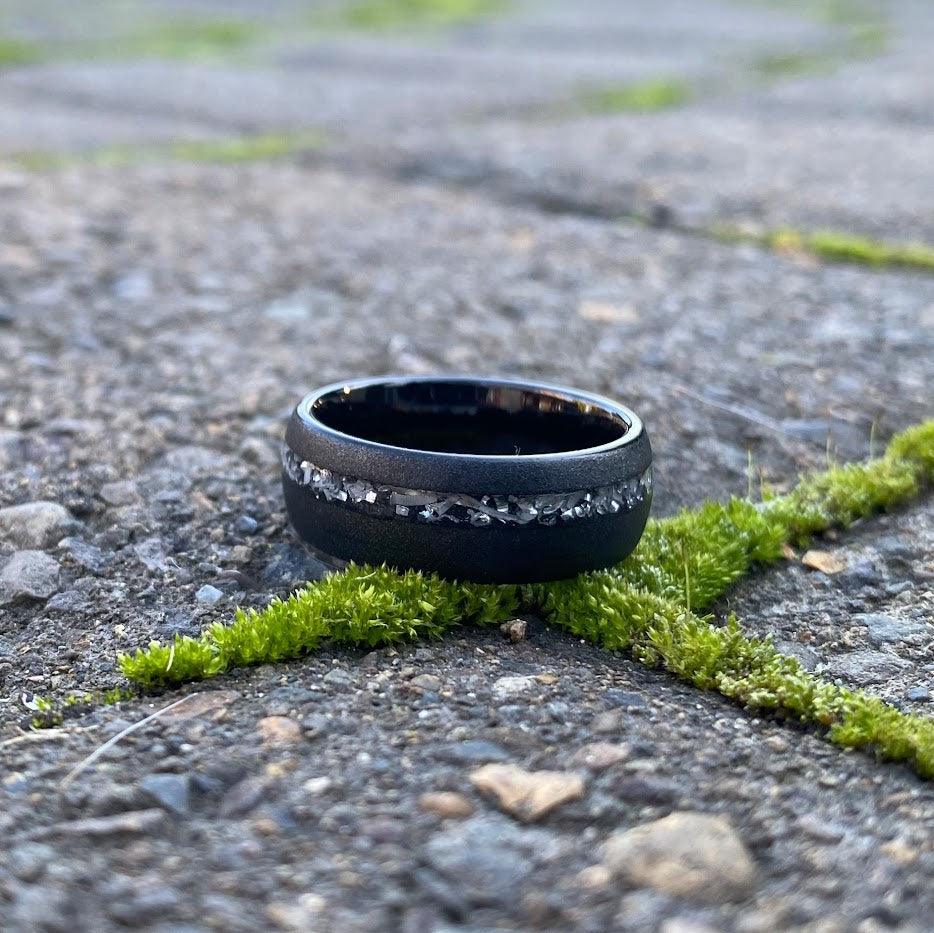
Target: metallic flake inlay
[{"x": 421, "y": 505}]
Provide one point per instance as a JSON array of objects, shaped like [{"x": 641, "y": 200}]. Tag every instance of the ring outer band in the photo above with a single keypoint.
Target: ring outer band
[
  {"x": 497, "y": 553},
  {"x": 470, "y": 474}
]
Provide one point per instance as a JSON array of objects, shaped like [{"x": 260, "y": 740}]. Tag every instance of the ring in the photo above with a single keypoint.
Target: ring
[{"x": 489, "y": 480}]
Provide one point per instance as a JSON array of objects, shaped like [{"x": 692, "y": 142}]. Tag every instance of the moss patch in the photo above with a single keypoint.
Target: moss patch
[
  {"x": 844, "y": 247},
  {"x": 647, "y": 605},
  {"x": 836, "y": 246},
  {"x": 245, "y": 148},
  {"x": 380, "y": 15},
  {"x": 361, "y": 606},
  {"x": 176, "y": 37},
  {"x": 186, "y": 38},
  {"x": 49, "y": 714},
  {"x": 775, "y": 65},
  {"x": 861, "y": 28},
  {"x": 224, "y": 151},
  {"x": 17, "y": 52},
  {"x": 639, "y": 97}
]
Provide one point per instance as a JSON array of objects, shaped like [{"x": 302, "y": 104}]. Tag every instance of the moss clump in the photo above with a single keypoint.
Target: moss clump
[
  {"x": 49, "y": 713},
  {"x": 17, "y": 52},
  {"x": 791, "y": 64},
  {"x": 187, "y": 38},
  {"x": 647, "y": 605},
  {"x": 639, "y": 97},
  {"x": 361, "y": 606},
  {"x": 845, "y": 247},
  {"x": 240, "y": 149},
  {"x": 378, "y": 15},
  {"x": 834, "y": 246},
  {"x": 244, "y": 148}
]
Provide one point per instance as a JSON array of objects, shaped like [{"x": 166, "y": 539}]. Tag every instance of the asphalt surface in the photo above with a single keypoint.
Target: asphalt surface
[{"x": 454, "y": 205}]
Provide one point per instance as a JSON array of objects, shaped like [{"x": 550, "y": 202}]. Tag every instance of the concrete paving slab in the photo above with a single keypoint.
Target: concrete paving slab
[
  {"x": 220, "y": 296},
  {"x": 369, "y": 87},
  {"x": 703, "y": 165},
  {"x": 157, "y": 321},
  {"x": 60, "y": 128}
]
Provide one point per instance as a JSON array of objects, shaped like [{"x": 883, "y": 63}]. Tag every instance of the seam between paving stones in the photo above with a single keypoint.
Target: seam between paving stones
[{"x": 643, "y": 606}]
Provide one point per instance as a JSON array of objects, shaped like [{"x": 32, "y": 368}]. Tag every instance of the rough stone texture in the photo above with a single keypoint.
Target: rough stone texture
[
  {"x": 157, "y": 320},
  {"x": 27, "y": 576},
  {"x": 34, "y": 524},
  {"x": 690, "y": 855},
  {"x": 528, "y": 795},
  {"x": 869, "y": 624}
]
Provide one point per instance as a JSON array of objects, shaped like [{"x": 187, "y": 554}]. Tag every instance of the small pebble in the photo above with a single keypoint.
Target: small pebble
[
  {"x": 447, "y": 804},
  {"x": 246, "y": 525},
  {"x": 209, "y": 594},
  {"x": 279, "y": 730},
  {"x": 515, "y": 630},
  {"x": 28, "y": 575}
]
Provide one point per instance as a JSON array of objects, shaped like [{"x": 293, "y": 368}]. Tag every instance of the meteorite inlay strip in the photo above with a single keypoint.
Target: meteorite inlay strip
[{"x": 420, "y": 505}]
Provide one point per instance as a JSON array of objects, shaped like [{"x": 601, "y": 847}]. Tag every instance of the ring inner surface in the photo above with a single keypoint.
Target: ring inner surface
[{"x": 469, "y": 418}]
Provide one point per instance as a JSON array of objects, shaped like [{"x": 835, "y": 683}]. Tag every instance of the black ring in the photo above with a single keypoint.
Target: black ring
[{"x": 490, "y": 480}]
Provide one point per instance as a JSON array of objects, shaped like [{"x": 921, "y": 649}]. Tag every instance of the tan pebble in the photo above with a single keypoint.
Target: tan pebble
[
  {"x": 426, "y": 682},
  {"x": 279, "y": 730},
  {"x": 278, "y": 769},
  {"x": 610, "y": 721},
  {"x": 447, "y": 804},
  {"x": 691, "y": 855},
  {"x": 684, "y": 925},
  {"x": 605, "y": 312},
  {"x": 299, "y": 915},
  {"x": 528, "y": 795},
  {"x": 594, "y": 878},
  {"x": 599, "y": 755},
  {"x": 266, "y": 827},
  {"x": 823, "y": 561},
  {"x": 899, "y": 851}
]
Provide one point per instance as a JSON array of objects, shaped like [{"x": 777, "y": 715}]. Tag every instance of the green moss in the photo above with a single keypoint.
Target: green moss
[
  {"x": 640, "y": 97},
  {"x": 50, "y": 714},
  {"x": 170, "y": 37},
  {"x": 245, "y": 148},
  {"x": 847, "y": 248},
  {"x": 868, "y": 40},
  {"x": 848, "y": 13},
  {"x": 18, "y": 52},
  {"x": 379, "y": 15},
  {"x": 185, "y": 38},
  {"x": 647, "y": 605},
  {"x": 844, "y": 247},
  {"x": 258, "y": 148},
  {"x": 791, "y": 64},
  {"x": 361, "y": 606},
  {"x": 835, "y": 246},
  {"x": 47, "y": 713},
  {"x": 861, "y": 29}
]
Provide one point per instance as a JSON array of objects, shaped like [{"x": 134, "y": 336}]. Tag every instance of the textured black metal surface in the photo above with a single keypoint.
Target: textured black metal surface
[
  {"x": 494, "y": 554},
  {"x": 627, "y": 456},
  {"x": 502, "y": 554}
]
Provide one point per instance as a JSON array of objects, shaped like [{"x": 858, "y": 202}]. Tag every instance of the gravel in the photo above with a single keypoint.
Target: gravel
[
  {"x": 35, "y": 524},
  {"x": 28, "y": 575},
  {"x": 691, "y": 855},
  {"x": 158, "y": 320}
]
